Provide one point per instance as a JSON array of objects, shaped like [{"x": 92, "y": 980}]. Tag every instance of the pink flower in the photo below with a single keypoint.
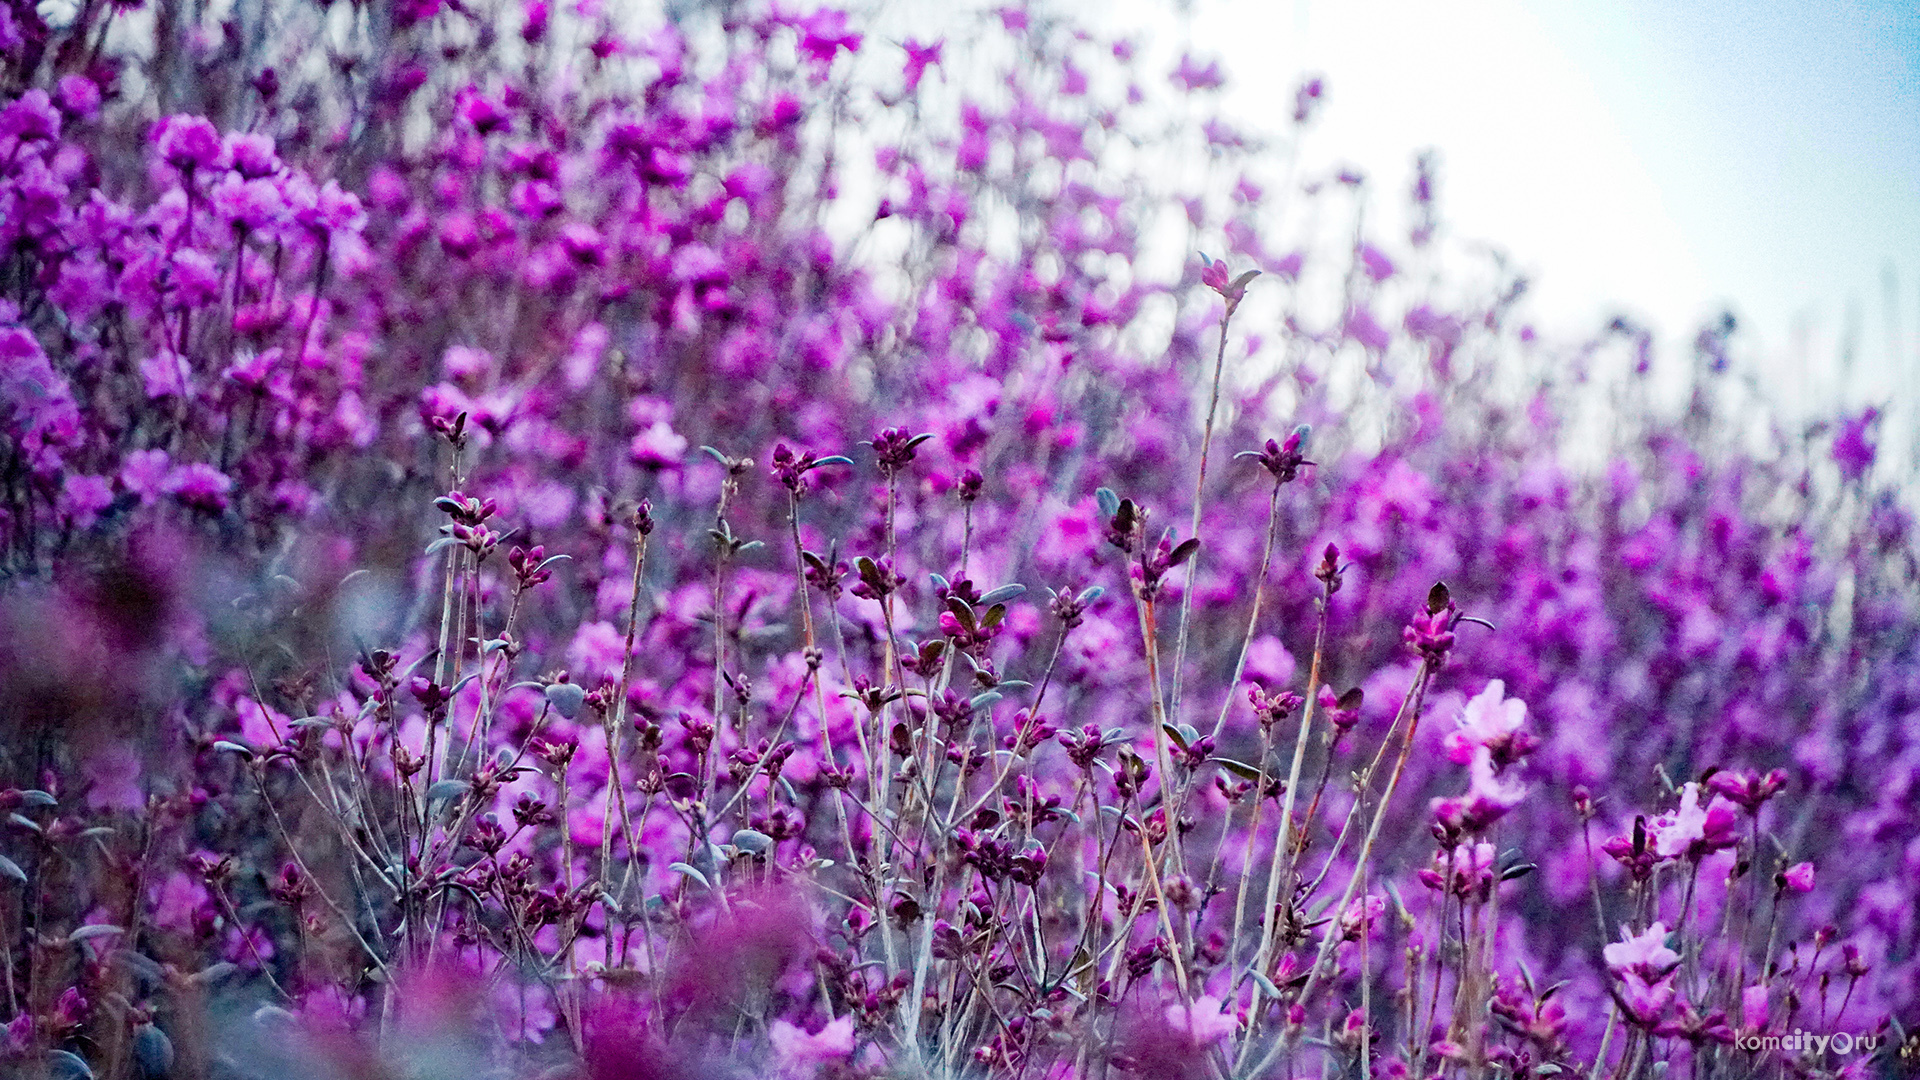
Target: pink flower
[
  {"x": 83, "y": 497},
  {"x": 1646, "y": 955},
  {"x": 1691, "y": 831},
  {"x": 802, "y": 1054},
  {"x": 919, "y": 59},
  {"x": 200, "y": 486},
  {"x": 1491, "y": 720},
  {"x": 1799, "y": 877},
  {"x": 1488, "y": 797},
  {"x": 1191, "y": 76},
  {"x": 145, "y": 473},
  {"x": 1204, "y": 1023},
  {"x": 659, "y": 446},
  {"x": 1645, "y": 966},
  {"x": 1853, "y": 448},
  {"x": 187, "y": 142},
  {"x": 596, "y": 653},
  {"x": 823, "y": 34}
]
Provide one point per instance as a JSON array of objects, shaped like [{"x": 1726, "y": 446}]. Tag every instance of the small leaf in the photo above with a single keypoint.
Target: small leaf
[
  {"x": 751, "y": 545},
  {"x": 25, "y": 822},
  {"x": 1352, "y": 699},
  {"x": 566, "y": 698},
  {"x": 1265, "y": 984},
  {"x": 10, "y": 869},
  {"x": 814, "y": 561},
  {"x": 939, "y": 583},
  {"x": 1108, "y": 500},
  {"x": 1088, "y": 596},
  {"x": 1512, "y": 873},
  {"x": 552, "y": 559},
  {"x": 715, "y": 454},
  {"x": 1003, "y": 594},
  {"x": 752, "y": 841},
  {"x": 993, "y": 616},
  {"x": 1185, "y": 551},
  {"x": 837, "y": 459},
  {"x": 91, "y": 931},
  {"x": 918, "y": 439},
  {"x": 153, "y": 1050},
  {"x": 1179, "y": 737},
  {"x": 36, "y": 797},
  {"x": 213, "y": 973},
  {"x": 66, "y": 1065},
  {"x": 685, "y": 870},
  {"x": 232, "y": 747},
  {"x": 982, "y": 701},
  {"x": 447, "y": 789},
  {"x": 1243, "y": 280},
  {"x": 962, "y": 611},
  {"x": 443, "y": 542},
  {"x": 1438, "y": 598},
  {"x": 1239, "y": 768}
]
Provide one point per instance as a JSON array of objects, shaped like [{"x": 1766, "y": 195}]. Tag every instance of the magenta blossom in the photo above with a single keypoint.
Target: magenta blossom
[
  {"x": 1491, "y": 720},
  {"x": 1692, "y": 831}
]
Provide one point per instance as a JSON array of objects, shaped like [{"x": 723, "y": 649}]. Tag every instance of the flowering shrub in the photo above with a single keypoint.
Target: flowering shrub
[{"x": 536, "y": 548}]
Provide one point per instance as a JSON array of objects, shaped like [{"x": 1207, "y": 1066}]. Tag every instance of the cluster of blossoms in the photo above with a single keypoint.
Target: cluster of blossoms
[{"x": 524, "y": 548}]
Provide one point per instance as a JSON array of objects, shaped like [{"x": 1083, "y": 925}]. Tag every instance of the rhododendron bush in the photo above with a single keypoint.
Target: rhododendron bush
[{"x": 567, "y": 541}]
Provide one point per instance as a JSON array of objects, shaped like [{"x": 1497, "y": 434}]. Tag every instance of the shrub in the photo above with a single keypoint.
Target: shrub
[{"x": 533, "y": 549}]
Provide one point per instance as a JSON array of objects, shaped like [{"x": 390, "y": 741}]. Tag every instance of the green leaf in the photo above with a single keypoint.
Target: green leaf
[
  {"x": 1438, "y": 598},
  {"x": 685, "y": 870},
  {"x": 10, "y": 869},
  {"x": 1003, "y": 594},
  {"x": 1109, "y": 502},
  {"x": 448, "y": 789},
  {"x": 1184, "y": 551},
  {"x": 1239, "y": 768}
]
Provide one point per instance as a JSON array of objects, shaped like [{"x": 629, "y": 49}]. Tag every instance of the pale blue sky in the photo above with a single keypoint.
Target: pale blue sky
[{"x": 1663, "y": 157}]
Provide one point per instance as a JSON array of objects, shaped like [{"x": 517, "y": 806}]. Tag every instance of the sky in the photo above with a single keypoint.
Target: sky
[{"x": 1666, "y": 160}]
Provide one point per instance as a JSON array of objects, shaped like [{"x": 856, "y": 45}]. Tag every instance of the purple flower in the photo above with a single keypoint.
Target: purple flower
[
  {"x": 144, "y": 474},
  {"x": 187, "y": 142},
  {"x": 1853, "y": 447},
  {"x": 1375, "y": 263},
  {"x": 83, "y": 497},
  {"x": 1190, "y": 76},
  {"x": 802, "y": 1054},
  {"x": 919, "y": 59},
  {"x": 1203, "y": 1023},
  {"x": 1799, "y": 877},
  {"x": 658, "y": 446},
  {"x": 1491, "y": 720},
  {"x": 1692, "y": 831},
  {"x": 823, "y": 34},
  {"x": 200, "y": 486}
]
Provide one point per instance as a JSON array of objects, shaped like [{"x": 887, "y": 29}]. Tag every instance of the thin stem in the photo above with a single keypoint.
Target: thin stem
[{"x": 1199, "y": 485}]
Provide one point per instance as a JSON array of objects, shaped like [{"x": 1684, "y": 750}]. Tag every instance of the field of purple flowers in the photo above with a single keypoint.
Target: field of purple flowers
[{"x": 542, "y": 541}]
